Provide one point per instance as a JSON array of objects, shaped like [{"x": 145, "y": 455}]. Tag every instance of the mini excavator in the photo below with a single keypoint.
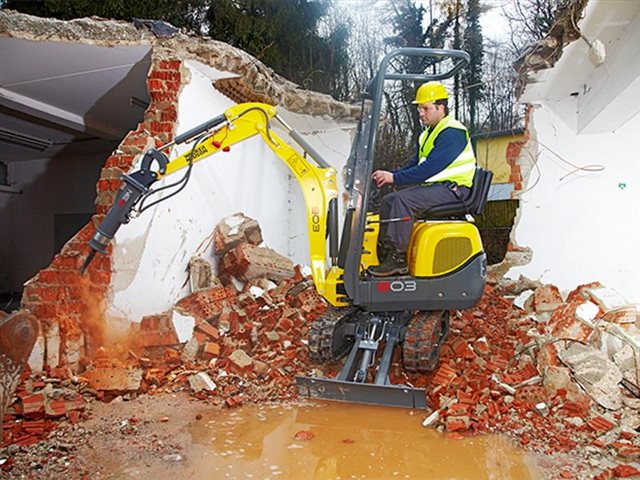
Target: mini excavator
[{"x": 447, "y": 263}]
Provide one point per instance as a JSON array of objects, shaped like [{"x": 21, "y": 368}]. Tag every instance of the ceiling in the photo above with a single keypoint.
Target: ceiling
[{"x": 74, "y": 97}]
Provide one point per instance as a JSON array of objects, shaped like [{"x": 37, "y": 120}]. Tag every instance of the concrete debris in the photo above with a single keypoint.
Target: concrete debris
[
  {"x": 524, "y": 300},
  {"x": 607, "y": 298},
  {"x": 546, "y": 299},
  {"x": 201, "y": 381},
  {"x": 598, "y": 375},
  {"x": 201, "y": 275},
  {"x": 545, "y": 370}
]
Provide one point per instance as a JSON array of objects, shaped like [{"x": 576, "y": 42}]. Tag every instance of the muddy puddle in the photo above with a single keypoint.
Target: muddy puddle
[{"x": 348, "y": 441}]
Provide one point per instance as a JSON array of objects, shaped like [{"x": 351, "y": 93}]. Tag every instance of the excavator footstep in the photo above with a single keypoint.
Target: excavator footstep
[{"x": 338, "y": 390}]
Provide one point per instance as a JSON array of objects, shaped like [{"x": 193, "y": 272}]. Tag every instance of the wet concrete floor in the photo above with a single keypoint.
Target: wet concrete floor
[{"x": 349, "y": 441}]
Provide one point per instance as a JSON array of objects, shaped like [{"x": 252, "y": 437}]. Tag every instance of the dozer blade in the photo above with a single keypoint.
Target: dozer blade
[{"x": 344, "y": 391}]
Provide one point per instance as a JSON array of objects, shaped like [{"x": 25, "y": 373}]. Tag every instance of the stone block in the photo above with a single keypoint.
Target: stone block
[{"x": 234, "y": 230}]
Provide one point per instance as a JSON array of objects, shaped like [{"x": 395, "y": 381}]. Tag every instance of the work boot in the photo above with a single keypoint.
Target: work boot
[
  {"x": 383, "y": 249},
  {"x": 394, "y": 264}
]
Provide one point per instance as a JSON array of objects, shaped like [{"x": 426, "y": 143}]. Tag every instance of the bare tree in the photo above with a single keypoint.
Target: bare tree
[{"x": 530, "y": 20}]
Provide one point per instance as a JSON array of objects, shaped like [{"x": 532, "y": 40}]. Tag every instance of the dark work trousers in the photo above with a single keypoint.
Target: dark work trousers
[{"x": 405, "y": 203}]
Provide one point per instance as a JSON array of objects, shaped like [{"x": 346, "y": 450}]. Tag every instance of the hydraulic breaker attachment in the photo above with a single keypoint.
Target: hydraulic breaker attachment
[{"x": 351, "y": 385}]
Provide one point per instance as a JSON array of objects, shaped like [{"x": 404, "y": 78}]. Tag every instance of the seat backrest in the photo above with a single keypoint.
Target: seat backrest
[
  {"x": 480, "y": 190},
  {"x": 474, "y": 205}
]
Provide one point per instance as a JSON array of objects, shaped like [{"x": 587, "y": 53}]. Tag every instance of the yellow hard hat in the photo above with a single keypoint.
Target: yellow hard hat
[{"x": 430, "y": 92}]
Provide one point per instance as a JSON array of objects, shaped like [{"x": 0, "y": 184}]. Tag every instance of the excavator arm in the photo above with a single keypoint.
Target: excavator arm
[{"x": 238, "y": 123}]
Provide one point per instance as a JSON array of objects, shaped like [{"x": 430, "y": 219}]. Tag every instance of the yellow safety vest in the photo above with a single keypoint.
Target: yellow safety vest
[{"x": 462, "y": 169}]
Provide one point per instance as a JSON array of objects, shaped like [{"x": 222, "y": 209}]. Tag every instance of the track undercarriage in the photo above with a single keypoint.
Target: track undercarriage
[{"x": 361, "y": 334}]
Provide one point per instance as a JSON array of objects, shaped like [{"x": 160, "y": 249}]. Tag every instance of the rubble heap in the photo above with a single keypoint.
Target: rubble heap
[
  {"x": 238, "y": 336},
  {"x": 556, "y": 374}
]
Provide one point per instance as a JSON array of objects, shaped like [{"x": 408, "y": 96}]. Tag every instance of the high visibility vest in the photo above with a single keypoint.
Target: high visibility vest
[{"x": 462, "y": 169}]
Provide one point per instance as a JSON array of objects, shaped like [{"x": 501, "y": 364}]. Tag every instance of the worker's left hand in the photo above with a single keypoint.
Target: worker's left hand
[{"x": 382, "y": 178}]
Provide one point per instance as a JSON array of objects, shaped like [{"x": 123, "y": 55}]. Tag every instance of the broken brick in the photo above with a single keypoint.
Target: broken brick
[
  {"x": 240, "y": 362},
  {"x": 250, "y": 262},
  {"x": 211, "y": 350},
  {"x": 234, "y": 230},
  {"x": 600, "y": 424}
]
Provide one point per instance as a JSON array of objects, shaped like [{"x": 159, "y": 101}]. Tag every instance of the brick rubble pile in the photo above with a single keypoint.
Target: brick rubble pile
[{"x": 557, "y": 375}]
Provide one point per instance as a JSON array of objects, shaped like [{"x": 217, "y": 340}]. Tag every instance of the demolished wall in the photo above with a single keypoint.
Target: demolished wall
[
  {"x": 145, "y": 271},
  {"x": 577, "y": 210}
]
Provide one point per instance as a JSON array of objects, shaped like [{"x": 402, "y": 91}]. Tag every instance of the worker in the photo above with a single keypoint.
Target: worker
[{"x": 441, "y": 171}]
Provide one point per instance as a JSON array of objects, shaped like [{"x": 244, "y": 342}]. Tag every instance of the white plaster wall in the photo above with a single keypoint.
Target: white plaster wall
[
  {"x": 582, "y": 226},
  {"x": 151, "y": 253}
]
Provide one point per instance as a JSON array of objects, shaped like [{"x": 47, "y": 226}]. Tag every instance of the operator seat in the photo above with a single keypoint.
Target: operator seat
[{"x": 457, "y": 209}]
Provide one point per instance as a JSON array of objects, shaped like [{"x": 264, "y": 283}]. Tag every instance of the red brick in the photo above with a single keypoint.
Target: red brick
[
  {"x": 211, "y": 349},
  {"x": 625, "y": 471},
  {"x": 208, "y": 329},
  {"x": 600, "y": 424},
  {"x": 169, "y": 64},
  {"x": 444, "y": 375},
  {"x": 457, "y": 423}
]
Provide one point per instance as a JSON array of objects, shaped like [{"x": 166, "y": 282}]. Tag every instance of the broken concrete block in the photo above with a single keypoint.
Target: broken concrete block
[
  {"x": 234, "y": 230},
  {"x": 250, "y": 262},
  {"x": 546, "y": 299},
  {"x": 587, "y": 312},
  {"x": 595, "y": 373},
  {"x": 183, "y": 325},
  {"x": 606, "y": 298},
  {"x": 556, "y": 378},
  {"x": 621, "y": 344},
  {"x": 201, "y": 381},
  {"x": 115, "y": 379},
  {"x": 190, "y": 350},
  {"x": 201, "y": 275},
  {"x": 240, "y": 362},
  {"x": 524, "y": 301}
]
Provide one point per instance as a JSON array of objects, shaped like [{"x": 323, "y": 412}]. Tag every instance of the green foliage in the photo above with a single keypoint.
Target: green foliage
[
  {"x": 284, "y": 34},
  {"x": 181, "y": 13}
]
